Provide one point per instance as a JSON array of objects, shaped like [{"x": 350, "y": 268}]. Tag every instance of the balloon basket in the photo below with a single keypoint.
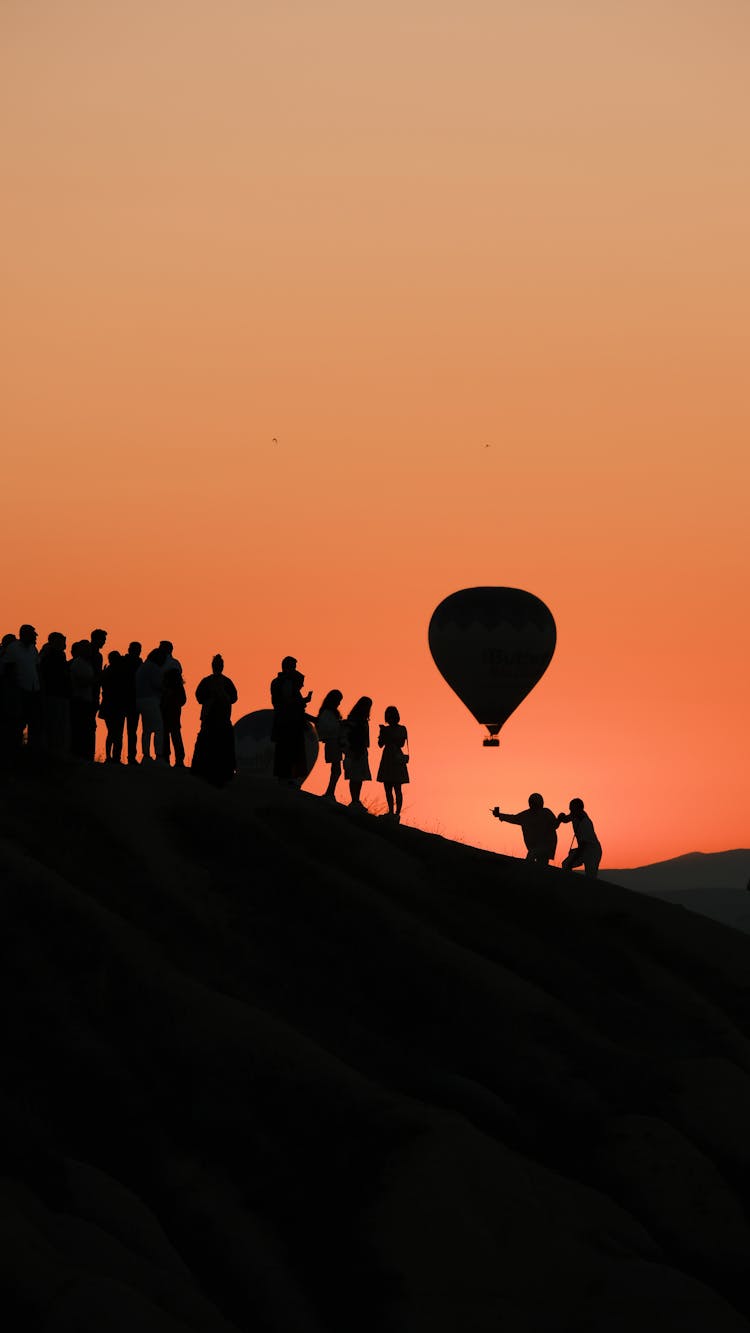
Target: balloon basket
[{"x": 492, "y": 743}]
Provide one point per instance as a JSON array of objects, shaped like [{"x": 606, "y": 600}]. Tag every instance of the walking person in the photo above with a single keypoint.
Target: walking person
[
  {"x": 393, "y": 770},
  {"x": 357, "y": 744},
  {"x": 173, "y": 698},
  {"x": 214, "y": 755},
  {"x": 588, "y": 849},
  {"x": 538, "y": 826},
  {"x": 329, "y": 726}
]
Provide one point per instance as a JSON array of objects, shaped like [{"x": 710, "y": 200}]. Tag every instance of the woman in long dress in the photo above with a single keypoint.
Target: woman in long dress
[
  {"x": 393, "y": 770},
  {"x": 213, "y": 757}
]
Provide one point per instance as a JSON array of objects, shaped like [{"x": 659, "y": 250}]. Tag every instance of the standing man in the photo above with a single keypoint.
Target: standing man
[
  {"x": 130, "y": 664},
  {"x": 539, "y": 829},
  {"x": 22, "y": 658},
  {"x": 289, "y": 721},
  {"x": 54, "y": 677},
  {"x": 97, "y": 640},
  {"x": 82, "y": 706},
  {"x": 588, "y": 849},
  {"x": 148, "y": 679},
  {"x": 170, "y": 662}
]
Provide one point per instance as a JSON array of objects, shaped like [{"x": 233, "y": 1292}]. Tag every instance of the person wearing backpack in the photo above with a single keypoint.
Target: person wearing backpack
[
  {"x": 329, "y": 727},
  {"x": 356, "y": 745}
]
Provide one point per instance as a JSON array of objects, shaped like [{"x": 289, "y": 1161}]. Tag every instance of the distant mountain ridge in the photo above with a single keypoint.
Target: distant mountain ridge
[
  {"x": 694, "y": 870},
  {"x": 713, "y": 884}
]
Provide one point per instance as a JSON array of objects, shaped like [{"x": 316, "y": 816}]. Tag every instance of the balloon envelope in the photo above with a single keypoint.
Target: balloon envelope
[
  {"x": 492, "y": 645},
  {"x": 255, "y": 749}
]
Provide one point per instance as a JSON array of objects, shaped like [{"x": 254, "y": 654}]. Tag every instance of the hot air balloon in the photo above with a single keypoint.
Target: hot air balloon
[
  {"x": 255, "y": 749},
  {"x": 492, "y": 645}
]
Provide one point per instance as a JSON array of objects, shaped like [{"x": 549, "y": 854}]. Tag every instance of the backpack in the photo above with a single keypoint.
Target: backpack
[{"x": 328, "y": 726}]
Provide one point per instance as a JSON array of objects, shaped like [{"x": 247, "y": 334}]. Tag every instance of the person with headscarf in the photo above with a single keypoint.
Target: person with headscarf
[{"x": 214, "y": 754}]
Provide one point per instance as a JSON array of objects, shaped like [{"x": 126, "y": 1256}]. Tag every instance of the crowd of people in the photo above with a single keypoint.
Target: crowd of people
[
  {"x": 345, "y": 740},
  {"x": 50, "y": 702}
]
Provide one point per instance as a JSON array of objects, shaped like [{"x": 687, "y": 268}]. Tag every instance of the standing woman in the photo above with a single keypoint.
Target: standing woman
[
  {"x": 329, "y": 726},
  {"x": 356, "y": 765},
  {"x": 213, "y": 757},
  {"x": 393, "y": 771}
]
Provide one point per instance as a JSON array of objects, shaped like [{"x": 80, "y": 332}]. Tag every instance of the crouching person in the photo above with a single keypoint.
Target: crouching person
[{"x": 588, "y": 849}]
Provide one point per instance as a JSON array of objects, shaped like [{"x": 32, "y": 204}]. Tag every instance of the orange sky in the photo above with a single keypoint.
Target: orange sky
[{"x": 391, "y": 235}]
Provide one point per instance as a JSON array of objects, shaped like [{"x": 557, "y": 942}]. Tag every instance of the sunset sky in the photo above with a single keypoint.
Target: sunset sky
[{"x": 483, "y": 271}]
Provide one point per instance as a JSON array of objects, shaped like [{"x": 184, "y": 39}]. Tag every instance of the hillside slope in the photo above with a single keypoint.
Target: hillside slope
[{"x": 271, "y": 1066}]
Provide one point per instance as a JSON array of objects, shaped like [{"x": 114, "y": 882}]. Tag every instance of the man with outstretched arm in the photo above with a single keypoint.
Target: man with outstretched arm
[{"x": 539, "y": 828}]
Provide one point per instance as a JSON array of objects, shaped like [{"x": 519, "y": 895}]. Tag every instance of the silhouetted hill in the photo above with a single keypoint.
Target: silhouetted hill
[
  {"x": 271, "y": 1066},
  {"x": 711, "y": 883}
]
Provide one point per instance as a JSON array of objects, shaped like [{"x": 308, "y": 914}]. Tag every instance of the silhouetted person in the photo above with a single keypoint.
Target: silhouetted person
[
  {"x": 393, "y": 770},
  {"x": 329, "y": 726},
  {"x": 588, "y": 849},
  {"x": 356, "y": 763},
  {"x": 11, "y": 732},
  {"x": 539, "y": 829},
  {"x": 148, "y": 680},
  {"x": 82, "y": 702},
  {"x": 21, "y": 654},
  {"x": 115, "y": 694},
  {"x": 289, "y": 722},
  {"x": 54, "y": 677},
  {"x": 170, "y": 662},
  {"x": 213, "y": 757},
  {"x": 172, "y": 700},
  {"x": 131, "y": 662},
  {"x": 97, "y": 639}
]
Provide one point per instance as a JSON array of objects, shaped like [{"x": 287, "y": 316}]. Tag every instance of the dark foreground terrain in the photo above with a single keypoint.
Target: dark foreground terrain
[{"x": 268, "y": 1066}]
